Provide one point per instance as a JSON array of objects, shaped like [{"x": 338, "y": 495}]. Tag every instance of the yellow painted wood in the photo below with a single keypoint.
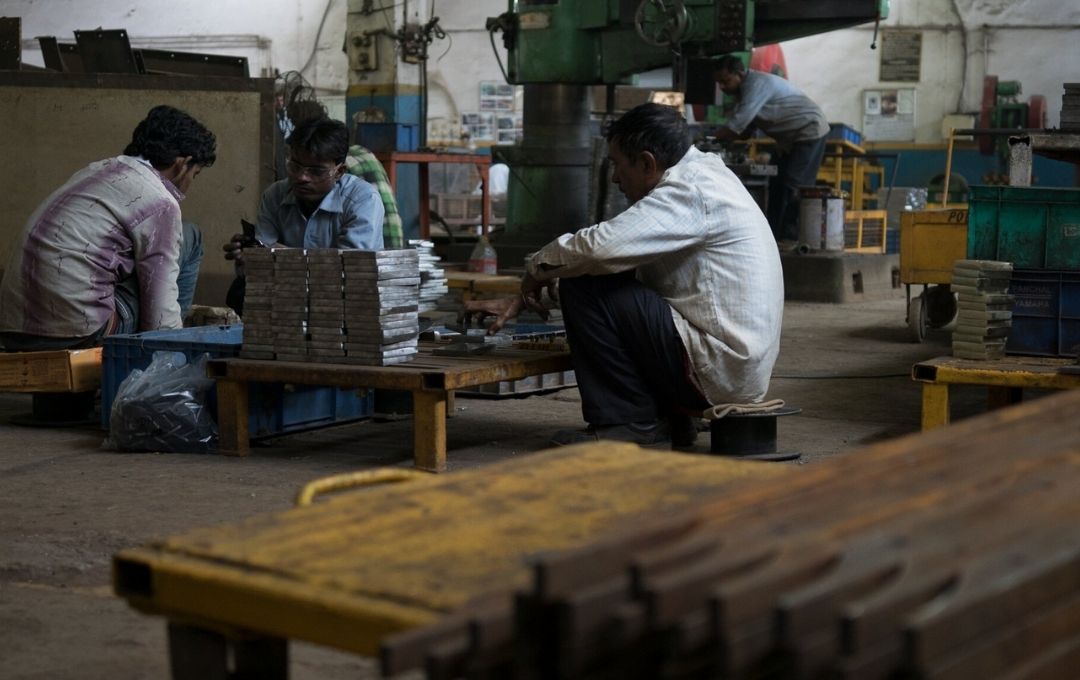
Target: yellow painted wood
[
  {"x": 65, "y": 370},
  {"x": 931, "y": 241},
  {"x": 431, "y": 379},
  {"x": 935, "y": 406},
  {"x": 867, "y": 222},
  {"x": 351, "y": 569},
  {"x": 1005, "y": 379},
  {"x": 429, "y": 430}
]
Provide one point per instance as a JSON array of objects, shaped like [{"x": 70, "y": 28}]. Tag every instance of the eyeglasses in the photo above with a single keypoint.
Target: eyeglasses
[{"x": 312, "y": 171}]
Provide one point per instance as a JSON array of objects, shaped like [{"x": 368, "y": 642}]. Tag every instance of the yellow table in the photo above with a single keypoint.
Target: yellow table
[
  {"x": 1005, "y": 381},
  {"x": 431, "y": 378},
  {"x": 360, "y": 566}
]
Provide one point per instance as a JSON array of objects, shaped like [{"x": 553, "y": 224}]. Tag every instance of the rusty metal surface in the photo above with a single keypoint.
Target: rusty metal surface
[{"x": 952, "y": 554}]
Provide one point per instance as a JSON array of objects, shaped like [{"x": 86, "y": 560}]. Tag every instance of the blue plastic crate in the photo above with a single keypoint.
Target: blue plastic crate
[
  {"x": 274, "y": 408},
  {"x": 1046, "y": 313},
  {"x": 386, "y": 137},
  {"x": 844, "y": 132}
]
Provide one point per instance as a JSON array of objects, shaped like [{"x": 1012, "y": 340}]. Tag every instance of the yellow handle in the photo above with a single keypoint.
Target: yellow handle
[{"x": 352, "y": 480}]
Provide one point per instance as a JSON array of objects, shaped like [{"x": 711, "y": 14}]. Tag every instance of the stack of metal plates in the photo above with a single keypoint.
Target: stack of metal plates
[
  {"x": 1070, "y": 107},
  {"x": 326, "y": 306},
  {"x": 984, "y": 314},
  {"x": 258, "y": 340},
  {"x": 288, "y": 311},
  {"x": 381, "y": 298},
  {"x": 432, "y": 278}
]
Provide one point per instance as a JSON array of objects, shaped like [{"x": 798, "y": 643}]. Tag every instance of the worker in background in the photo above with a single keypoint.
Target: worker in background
[
  {"x": 107, "y": 253},
  {"x": 780, "y": 110},
  {"x": 319, "y": 205},
  {"x": 670, "y": 306},
  {"x": 362, "y": 163},
  {"x": 359, "y": 161}
]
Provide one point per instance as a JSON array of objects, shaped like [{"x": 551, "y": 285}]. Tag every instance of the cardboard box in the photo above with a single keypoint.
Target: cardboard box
[{"x": 73, "y": 370}]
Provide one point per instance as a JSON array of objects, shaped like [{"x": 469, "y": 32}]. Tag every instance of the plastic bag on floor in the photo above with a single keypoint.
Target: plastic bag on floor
[{"x": 164, "y": 408}]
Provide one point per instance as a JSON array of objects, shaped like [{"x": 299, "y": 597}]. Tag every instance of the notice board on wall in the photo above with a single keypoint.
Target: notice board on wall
[
  {"x": 889, "y": 115},
  {"x": 58, "y": 123},
  {"x": 901, "y": 56}
]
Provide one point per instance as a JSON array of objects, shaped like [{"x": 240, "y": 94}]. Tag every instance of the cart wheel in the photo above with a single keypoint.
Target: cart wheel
[
  {"x": 916, "y": 318},
  {"x": 940, "y": 306}
]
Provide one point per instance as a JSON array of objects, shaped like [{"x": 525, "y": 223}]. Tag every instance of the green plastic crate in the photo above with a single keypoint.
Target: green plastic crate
[{"x": 1032, "y": 227}]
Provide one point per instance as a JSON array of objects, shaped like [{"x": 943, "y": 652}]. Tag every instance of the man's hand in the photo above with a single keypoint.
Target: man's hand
[
  {"x": 234, "y": 249},
  {"x": 531, "y": 290},
  {"x": 503, "y": 309}
]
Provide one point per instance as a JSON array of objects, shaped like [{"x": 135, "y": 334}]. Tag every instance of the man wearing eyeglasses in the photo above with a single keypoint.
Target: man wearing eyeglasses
[{"x": 319, "y": 204}]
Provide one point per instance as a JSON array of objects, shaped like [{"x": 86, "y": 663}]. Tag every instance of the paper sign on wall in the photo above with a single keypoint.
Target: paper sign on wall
[{"x": 889, "y": 115}]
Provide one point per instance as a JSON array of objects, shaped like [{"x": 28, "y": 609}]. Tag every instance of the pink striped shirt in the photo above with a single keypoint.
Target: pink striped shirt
[{"x": 111, "y": 219}]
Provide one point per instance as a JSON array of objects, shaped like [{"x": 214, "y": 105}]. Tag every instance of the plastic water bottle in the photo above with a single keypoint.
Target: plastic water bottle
[{"x": 483, "y": 258}]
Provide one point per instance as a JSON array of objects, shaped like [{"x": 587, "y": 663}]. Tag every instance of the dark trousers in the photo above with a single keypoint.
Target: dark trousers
[
  {"x": 630, "y": 362},
  {"x": 796, "y": 167}
]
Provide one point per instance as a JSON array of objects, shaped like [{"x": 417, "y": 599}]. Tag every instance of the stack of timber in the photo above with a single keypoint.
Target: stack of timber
[
  {"x": 258, "y": 340},
  {"x": 984, "y": 308},
  {"x": 950, "y": 554},
  {"x": 1070, "y": 107},
  {"x": 382, "y": 320},
  {"x": 288, "y": 308}
]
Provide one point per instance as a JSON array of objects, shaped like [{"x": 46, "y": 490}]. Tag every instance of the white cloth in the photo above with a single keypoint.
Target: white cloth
[{"x": 700, "y": 240}]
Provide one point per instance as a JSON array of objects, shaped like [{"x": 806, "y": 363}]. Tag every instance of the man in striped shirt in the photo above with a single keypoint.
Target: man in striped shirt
[
  {"x": 107, "y": 252},
  {"x": 670, "y": 306},
  {"x": 362, "y": 163}
]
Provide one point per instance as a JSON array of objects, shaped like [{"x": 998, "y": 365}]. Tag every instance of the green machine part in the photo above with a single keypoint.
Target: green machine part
[
  {"x": 606, "y": 41},
  {"x": 558, "y": 49}
]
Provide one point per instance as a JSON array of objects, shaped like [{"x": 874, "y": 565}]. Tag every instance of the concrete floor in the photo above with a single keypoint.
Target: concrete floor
[{"x": 66, "y": 505}]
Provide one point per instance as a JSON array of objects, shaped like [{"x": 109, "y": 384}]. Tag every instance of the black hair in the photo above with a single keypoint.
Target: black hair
[
  {"x": 324, "y": 138},
  {"x": 729, "y": 63},
  {"x": 168, "y": 133},
  {"x": 303, "y": 109},
  {"x": 657, "y": 128}
]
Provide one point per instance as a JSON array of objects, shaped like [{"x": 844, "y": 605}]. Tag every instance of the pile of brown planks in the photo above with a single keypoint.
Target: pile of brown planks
[{"x": 950, "y": 554}]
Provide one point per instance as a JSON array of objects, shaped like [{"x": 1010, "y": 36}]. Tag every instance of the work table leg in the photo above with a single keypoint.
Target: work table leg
[
  {"x": 233, "y": 435},
  {"x": 429, "y": 430},
  {"x": 935, "y": 405},
  {"x": 199, "y": 654}
]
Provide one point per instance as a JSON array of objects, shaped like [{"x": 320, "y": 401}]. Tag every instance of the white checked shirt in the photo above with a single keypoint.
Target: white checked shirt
[{"x": 699, "y": 239}]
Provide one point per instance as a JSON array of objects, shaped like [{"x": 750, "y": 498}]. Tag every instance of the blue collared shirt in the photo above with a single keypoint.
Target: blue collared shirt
[{"x": 349, "y": 217}]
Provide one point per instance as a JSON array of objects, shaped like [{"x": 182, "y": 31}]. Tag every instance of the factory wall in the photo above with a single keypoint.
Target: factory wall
[
  {"x": 275, "y": 35},
  {"x": 1032, "y": 41}
]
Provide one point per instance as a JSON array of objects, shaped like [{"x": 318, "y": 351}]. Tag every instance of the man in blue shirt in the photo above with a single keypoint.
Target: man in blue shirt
[
  {"x": 319, "y": 204},
  {"x": 782, "y": 111}
]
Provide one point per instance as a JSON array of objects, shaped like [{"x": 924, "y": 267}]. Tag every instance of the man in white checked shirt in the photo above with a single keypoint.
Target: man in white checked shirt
[{"x": 670, "y": 306}]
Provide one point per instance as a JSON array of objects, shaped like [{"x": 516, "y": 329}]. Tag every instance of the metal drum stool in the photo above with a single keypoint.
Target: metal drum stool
[{"x": 748, "y": 432}]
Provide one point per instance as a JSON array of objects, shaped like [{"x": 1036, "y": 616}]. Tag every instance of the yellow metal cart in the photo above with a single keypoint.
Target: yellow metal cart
[
  {"x": 351, "y": 570},
  {"x": 931, "y": 241}
]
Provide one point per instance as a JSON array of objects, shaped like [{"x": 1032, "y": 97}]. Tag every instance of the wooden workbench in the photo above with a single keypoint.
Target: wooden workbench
[
  {"x": 431, "y": 378},
  {"x": 1005, "y": 381},
  {"x": 362, "y": 565}
]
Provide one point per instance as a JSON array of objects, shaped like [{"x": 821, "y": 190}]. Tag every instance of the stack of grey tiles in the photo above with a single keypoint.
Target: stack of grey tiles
[
  {"x": 289, "y": 308},
  {"x": 381, "y": 298},
  {"x": 326, "y": 306},
  {"x": 984, "y": 313},
  {"x": 258, "y": 340},
  {"x": 432, "y": 277},
  {"x": 1070, "y": 107}
]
